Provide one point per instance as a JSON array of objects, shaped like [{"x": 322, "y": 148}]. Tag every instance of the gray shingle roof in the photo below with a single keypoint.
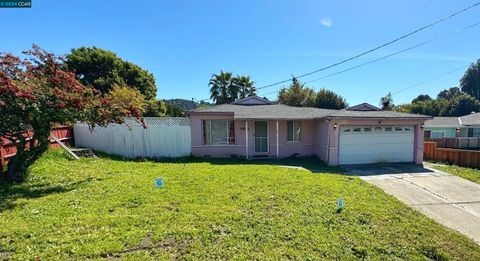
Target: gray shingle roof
[
  {"x": 280, "y": 111},
  {"x": 471, "y": 119},
  {"x": 274, "y": 111},
  {"x": 375, "y": 114},
  {"x": 443, "y": 122}
]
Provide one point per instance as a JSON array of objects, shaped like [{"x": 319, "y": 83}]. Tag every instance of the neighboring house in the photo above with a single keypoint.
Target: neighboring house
[
  {"x": 442, "y": 127},
  {"x": 451, "y": 127},
  {"x": 257, "y": 128}
]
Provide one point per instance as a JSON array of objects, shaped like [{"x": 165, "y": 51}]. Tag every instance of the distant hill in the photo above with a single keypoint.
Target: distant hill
[{"x": 182, "y": 103}]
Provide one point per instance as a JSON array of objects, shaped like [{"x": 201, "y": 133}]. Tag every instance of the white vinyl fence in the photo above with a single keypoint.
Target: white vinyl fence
[{"x": 163, "y": 137}]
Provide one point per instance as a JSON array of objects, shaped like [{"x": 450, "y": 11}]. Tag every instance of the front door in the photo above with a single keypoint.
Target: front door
[{"x": 261, "y": 137}]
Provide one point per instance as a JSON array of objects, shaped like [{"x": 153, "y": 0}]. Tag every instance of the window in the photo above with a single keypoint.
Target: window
[
  {"x": 398, "y": 128},
  {"x": 293, "y": 130},
  {"x": 378, "y": 129},
  {"x": 388, "y": 128},
  {"x": 408, "y": 129},
  {"x": 437, "y": 134},
  {"x": 473, "y": 132},
  {"x": 216, "y": 132},
  {"x": 367, "y": 129},
  {"x": 357, "y": 130},
  {"x": 346, "y": 130}
]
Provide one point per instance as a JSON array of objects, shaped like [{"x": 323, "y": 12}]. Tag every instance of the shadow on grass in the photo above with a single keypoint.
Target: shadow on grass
[
  {"x": 310, "y": 163},
  {"x": 11, "y": 192}
]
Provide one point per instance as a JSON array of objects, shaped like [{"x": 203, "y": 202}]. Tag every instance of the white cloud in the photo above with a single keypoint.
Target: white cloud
[{"x": 326, "y": 21}]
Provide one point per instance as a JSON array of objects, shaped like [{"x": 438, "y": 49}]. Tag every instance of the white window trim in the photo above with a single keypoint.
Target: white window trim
[{"x": 210, "y": 134}]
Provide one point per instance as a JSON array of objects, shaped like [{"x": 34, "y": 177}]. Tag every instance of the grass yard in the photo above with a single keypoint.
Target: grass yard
[
  {"x": 466, "y": 173},
  {"x": 210, "y": 209}
]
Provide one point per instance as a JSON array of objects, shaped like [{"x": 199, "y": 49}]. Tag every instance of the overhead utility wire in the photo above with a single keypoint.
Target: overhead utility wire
[
  {"x": 395, "y": 53},
  {"x": 378, "y": 47},
  {"x": 389, "y": 55},
  {"x": 427, "y": 81}
]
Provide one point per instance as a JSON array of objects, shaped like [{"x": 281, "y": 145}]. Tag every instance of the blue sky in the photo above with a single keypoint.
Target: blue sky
[{"x": 183, "y": 42}]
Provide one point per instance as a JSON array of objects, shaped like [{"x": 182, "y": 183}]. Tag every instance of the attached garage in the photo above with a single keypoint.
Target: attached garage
[{"x": 376, "y": 144}]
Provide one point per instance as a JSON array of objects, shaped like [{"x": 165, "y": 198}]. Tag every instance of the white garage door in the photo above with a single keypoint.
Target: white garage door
[{"x": 375, "y": 144}]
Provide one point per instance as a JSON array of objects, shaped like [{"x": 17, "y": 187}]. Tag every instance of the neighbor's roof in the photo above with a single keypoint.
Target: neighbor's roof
[
  {"x": 452, "y": 122},
  {"x": 471, "y": 119},
  {"x": 247, "y": 109}
]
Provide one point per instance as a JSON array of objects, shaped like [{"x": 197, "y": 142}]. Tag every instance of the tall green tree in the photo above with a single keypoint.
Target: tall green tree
[
  {"x": 422, "y": 97},
  {"x": 470, "y": 82},
  {"x": 297, "y": 94},
  {"x": 386, "y": 102},
  {"x": 463, "y": 105},
  {"x": 246, "y": 87},
  {"x": 449, "y": 94},
  {"x": 103, "y": 69},
  {"x": 327, "y": 99},
  {"x": 222, "y": 88}
]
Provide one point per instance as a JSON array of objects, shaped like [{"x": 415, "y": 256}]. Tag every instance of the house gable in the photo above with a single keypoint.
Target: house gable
[
  {"x": 253, "y": 100},
  {"x": 363, "y": 107}
]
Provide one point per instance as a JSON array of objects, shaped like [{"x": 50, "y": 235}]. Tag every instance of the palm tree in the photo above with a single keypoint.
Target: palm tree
[
  {"x": 245, "y": 86},
  {"x": 387, "y": 102},
  {"x": 220, "y": 87}
]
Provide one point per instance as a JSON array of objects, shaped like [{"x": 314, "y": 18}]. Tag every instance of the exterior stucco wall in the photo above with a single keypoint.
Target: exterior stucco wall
[
  {"x": 285, "y": 148},
  {"x": 321, "y": 139},
  {"x": 449, "y": 132},
  {"x": 333, "y": 157}
]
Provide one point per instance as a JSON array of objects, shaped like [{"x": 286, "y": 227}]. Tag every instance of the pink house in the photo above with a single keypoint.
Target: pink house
[{"x": 257, "y": 128}]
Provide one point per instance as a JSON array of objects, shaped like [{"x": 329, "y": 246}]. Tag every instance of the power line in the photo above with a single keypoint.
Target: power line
[
  {"x": 390, "y": 55},
  {"x": 378, "y": 47},
  {"x": 429, "y": 80},
  {"x": 395, "y": 53}
]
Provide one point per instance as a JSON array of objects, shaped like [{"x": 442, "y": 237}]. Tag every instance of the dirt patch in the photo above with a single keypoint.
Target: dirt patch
[{"x": 178, "y": 246}]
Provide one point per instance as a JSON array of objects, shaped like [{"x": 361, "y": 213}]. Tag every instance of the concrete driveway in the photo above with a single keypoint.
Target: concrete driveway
[{"x": 450, "y": 200}]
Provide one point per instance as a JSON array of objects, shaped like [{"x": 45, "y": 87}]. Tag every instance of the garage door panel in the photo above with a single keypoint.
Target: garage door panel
[
  {"x": 385, "y": 144},
  {"x": 385, "y": 148}
]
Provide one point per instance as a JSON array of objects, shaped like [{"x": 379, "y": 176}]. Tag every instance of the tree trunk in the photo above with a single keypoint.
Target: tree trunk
[{"x": 25, "y": 157}]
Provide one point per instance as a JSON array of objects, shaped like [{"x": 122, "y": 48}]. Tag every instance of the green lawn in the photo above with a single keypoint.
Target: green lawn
[
  {"x": 466, "y": 173},
  {"x": 210, "y": 209}
]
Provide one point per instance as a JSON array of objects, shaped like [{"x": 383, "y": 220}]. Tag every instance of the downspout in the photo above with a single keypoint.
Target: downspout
[
  {"x": 246, "y": 139},
  {"x": 328, "y": 143}
]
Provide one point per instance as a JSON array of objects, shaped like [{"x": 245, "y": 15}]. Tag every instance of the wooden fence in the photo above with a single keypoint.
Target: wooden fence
[
  {"x": 468, "y": 143},
  {"x": 8, "y": 149},
  {"x": 465, "y": 158},
  {"x": 163, "y": 137}
]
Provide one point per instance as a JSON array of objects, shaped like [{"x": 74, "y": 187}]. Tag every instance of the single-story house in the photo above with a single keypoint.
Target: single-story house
[
  {"x": 452, "y": 127},
  {"x": 257, "y": 128}
]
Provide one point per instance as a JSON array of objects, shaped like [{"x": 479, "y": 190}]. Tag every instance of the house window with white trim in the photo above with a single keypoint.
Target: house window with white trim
[
  {"x": 293, "y": 131},
  {"x": 218, "y": 132}
]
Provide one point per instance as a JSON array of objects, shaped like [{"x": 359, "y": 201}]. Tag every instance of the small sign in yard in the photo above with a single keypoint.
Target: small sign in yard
[
  {"x": 159, "y": 183},
  {"x": 339, "y": 204}
]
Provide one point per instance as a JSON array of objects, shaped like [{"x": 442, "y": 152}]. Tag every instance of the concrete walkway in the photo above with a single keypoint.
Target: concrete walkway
[{"x": 450, "y": 200}]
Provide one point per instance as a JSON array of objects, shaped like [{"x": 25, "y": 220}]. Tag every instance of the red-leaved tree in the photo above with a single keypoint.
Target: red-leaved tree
[{"x": 38, "y": 92}]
